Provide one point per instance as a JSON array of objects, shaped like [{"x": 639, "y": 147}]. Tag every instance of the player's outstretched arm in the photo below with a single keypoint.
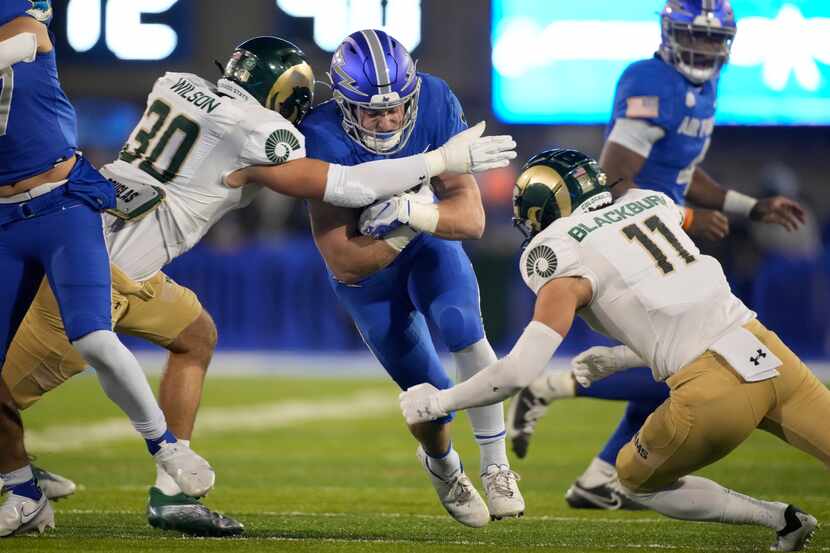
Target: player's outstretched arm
[
  {"x": 556, "y": 307},
  {"x": 707, "y": 192},
  {"x": 361, "y": 185}
]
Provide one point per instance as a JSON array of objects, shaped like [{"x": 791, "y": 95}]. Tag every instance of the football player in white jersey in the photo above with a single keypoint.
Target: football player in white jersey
[
  {"x": 629, "y": 270},
  {"x": 201, "y": 150}
]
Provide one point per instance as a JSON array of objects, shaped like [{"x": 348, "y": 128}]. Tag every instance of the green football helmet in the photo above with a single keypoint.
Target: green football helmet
[
  {"x": 276, "y": 73},
  {"x": 552, "y": 185}
]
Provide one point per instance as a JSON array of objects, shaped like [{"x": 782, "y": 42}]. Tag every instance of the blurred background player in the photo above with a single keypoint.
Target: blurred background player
[
  {"x": 631, "y": 271},
  {"x": 418, "y": 272},
  {"x": 50, "y": 223},
  {"x": 247, "y": 118},
  {"x": 662, "y": 121}
]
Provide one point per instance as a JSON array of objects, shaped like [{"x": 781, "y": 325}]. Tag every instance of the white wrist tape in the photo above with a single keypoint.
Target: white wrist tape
[
  {"x": 399, "y": 238},
  {"x": 526, "y": 361},
  {"x": 739, "y": 204},
  {"x": 361, "y": 185},
  {"x": 20, "y": 47},
  {"x": 436, "y": 162},
  {"x": 423, "y": 217}
]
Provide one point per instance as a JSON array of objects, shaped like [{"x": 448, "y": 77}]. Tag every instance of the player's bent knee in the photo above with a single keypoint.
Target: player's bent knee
[
  {"x": 199, "y": 338},
  {"x": 460, "y": 327},
  {"x": 630, "y": 470}
]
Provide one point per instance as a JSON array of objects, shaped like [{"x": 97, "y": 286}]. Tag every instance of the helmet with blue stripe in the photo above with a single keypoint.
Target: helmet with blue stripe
[
  {"x": 697, "y": 36},
  {"x": 371, "y": 71}
]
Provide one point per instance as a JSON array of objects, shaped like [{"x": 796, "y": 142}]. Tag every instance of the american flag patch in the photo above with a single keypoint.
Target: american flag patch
[{"x": 642, "y": 106}]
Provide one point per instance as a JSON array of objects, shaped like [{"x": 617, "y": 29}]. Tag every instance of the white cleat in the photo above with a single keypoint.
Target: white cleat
[
  {"x": 798, "y": 531},
  {"x": 458, "y": 496},
  {"x": 53, "y": 485},
  {"x": 501, "y": 486},
  {"x": 20, "y": 515},
  {"x": 194, "y": 475}
]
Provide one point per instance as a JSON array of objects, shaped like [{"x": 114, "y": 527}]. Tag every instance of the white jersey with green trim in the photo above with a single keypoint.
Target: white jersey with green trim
[
  {"x": 189, "y": 137},
  {"x": 652, "y": 288}
]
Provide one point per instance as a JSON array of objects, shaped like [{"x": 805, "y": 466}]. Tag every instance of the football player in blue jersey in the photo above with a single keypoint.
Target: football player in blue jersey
[
  {"x": 661, "y": 126},
  {"x": 406, "y": 268},
  {"x": 50, "y": 223}
]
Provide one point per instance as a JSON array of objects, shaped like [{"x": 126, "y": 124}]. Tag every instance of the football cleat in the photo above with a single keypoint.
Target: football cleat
[
  {"x": 530, "y": 404},
  {"x": 604, "y": 496},
  {"x": 458, "y": 495},
  {"x": 502, "y": 490},
  {"x": 798, "y": 531},
  {"x": 192, "y": 474},
  {"x": 185, "y": 514},
  {"x": 53, "y": 485},
  {"x": 20, "y": 515}
]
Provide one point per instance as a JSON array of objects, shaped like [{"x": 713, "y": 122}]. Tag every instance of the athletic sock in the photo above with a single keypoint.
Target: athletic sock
[
  {"x": 487, "y": 421},
  {"x": 446, "y": 466},
  {"x": 154, "y": 444},
  {"x": 123, "y": 381},
  {"x": 599, "y": 472},
  {"x": 701, "y": 499},
  {"x": 22, "y": 482}
]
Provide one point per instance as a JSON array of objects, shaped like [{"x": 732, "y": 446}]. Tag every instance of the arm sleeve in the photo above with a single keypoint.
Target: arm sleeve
[
  {"x": 552, "y": 256},
  {"x": 272, "y": 143},
  {"x": 525, "y": 362}
]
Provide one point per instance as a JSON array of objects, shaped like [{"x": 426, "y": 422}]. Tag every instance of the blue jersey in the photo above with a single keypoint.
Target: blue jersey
[
  {"x": 654, "y": 91},
  {"x": 37, "y": 122},
  {"x": 439, "y": 118}
]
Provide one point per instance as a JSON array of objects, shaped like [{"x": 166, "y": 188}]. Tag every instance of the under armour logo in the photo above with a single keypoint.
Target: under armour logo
[
  {"x": 425, "y": 412},
  {"x": 757, "y": 359}
]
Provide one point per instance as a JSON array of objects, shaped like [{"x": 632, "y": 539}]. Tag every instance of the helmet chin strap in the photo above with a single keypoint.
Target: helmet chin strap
[{"x": 382, "y": 144}]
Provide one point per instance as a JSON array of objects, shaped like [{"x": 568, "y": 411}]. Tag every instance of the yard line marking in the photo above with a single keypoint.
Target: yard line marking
[
  {"x": 541, "y": 518},
  {"x": 217, "y": 419}
]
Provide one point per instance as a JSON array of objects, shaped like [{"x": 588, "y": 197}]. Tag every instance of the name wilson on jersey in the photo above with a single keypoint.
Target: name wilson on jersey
[{"x": 199, "y": 99}]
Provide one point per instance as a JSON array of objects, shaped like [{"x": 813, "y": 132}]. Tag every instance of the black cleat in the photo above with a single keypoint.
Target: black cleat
[
  {"x": 525, "y": 410},
  {"x": 185, "y": 514},
  {"x": 797, "y": 533},
  {"x": 604, "y": 496}
]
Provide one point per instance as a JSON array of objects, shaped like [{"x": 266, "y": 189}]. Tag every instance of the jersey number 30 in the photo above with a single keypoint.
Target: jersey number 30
[
  {"x": 144, "y": 137},
  {"x": 654, "y": 224}
]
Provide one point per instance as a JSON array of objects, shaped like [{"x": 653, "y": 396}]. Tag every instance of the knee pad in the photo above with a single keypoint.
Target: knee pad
[{"x": 459, "y": 326}]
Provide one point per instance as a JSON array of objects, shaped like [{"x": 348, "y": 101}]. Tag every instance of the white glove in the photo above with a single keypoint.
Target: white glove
[
  {"x": 598, "y": 362},
  {"x": 421, "y": 404},
  {"x": 411, "y": 208},
  {"x": 469, "y": 152},
  {"x": 381, "y": 218}
]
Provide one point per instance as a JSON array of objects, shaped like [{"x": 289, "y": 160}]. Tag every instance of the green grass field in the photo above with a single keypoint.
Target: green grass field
[{"x": 327, "y": 465}]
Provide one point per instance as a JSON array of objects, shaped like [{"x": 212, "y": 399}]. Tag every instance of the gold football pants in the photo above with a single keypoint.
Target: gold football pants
[
  {"x": 41, "y": 358},
  {"x": 711, "y": 410}
]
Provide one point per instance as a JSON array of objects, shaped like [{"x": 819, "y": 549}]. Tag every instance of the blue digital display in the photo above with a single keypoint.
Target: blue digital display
[{"x": 558, "y": 62}]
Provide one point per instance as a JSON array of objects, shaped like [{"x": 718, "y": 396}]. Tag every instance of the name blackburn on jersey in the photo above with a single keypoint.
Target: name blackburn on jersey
[
  {"x": 184, "y": 87},
  {"x": 629, "y": 209}
]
